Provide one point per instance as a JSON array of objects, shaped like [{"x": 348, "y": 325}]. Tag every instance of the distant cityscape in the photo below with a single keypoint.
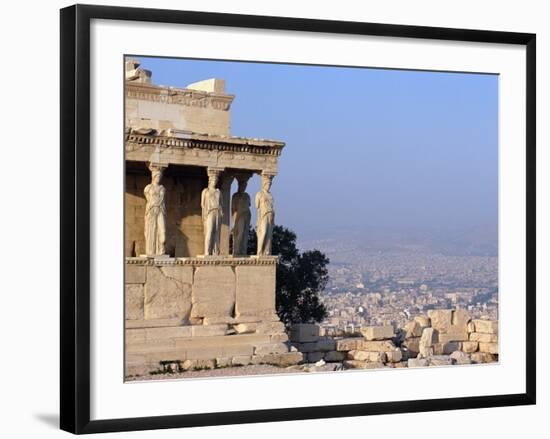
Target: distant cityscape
[{"x": 373, "y": 285}]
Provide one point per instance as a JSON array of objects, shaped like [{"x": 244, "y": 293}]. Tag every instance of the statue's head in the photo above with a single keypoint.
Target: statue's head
[
  {"x": 212, "y": 180},
  {"x": 156, "y": 175},
  {"x": 242, "y": 185},
  {"x": 266, "y": 182}
]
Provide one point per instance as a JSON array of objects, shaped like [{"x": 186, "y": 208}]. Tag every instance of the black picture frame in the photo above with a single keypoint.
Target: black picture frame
[{"x": 75, "y": 217}]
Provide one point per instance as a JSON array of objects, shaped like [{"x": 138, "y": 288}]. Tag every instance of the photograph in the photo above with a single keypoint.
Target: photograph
[{"x": 298, "y": 219}]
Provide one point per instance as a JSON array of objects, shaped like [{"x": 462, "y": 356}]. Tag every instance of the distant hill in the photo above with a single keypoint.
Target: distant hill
[{"x": 473, "y": 241}]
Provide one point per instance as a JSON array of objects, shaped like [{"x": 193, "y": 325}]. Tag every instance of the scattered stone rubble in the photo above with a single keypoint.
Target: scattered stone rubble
[{"x": 440, "y": 338}]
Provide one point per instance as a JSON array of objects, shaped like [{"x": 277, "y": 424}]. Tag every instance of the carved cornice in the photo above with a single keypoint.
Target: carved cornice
[
  {"x": 205, "y": 142},
  {"x": 222, "y": 261},
  {"x": 178, "y": 96}
]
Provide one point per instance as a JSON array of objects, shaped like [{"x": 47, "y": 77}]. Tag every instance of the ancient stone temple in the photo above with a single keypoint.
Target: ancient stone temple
[{"x": 189, "y": 300}]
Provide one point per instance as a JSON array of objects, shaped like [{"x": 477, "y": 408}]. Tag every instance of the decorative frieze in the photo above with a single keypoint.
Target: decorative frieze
[
  {"x": 200, "y": 261},
  {"x": 233, "y": 145},
  {"x": 186, "y": 97}
]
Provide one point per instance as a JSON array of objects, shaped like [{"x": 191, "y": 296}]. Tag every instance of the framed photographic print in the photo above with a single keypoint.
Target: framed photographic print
[{"x": 271, "y": 218}]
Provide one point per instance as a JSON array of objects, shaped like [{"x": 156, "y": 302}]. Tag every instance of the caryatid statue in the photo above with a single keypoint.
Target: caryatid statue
[
  {"x": 155, "y": 213},
  {"x": 266, "y": 216},
  {"x": 211, "y": 204},
  {"x": 240, "y": 211}
]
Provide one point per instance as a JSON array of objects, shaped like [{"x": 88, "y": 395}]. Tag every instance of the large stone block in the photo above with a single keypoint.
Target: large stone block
[
  {"x": 304, "y": 332},
  {"x": 356, "y": 364},
  {"x": 314, "y": 357},
  {"x": 219, "y": 351},
  {"x": 306, "y": 347},
  {"x": 447, "y": 348},
  {"x": 168, "y": 292},
  {"x": 412, "y": 344},
  {"x": 394, "y": 356},
  {"x": 483, "y": 338},
  {"x": 356, "y": 343},
  {"x": 428, "y": 338},
  {"x": 213, "y": 293},
  {"x": 271, "y": 348},
  {"x": 347, "y": 344},
  {"x": 376, "y": 346},
  {"x": 460, "y": 318},
  {"x": 241, "y": 360},
  {"x": 270, "y": 328},
  {"x": 423, "y": 321},
  {"x": 413, "y": 329},
  {"x": 469, "y": 346},
  {"x": 334, "y": 356},
  {"x": 133, "y": 299},
  {"x": 367, "y": 356},
  {"x": 490, "y": 348},
  {"x": 459, "y": 357},
  {"x": 277, "y": 338},
  {"x": 326, "y": 344},
  {"x": 245, "y": 328},
  {"x": 134, "y": 336},
  {"x": 208, "y": 330},
  {"x": 134, "y": 274},
  {"x": 155, "y": 334},
  {"x": 255, "y": 290},
  {"x": 454, "y": 333},
  {"x": 486, "y": 326},
  {"x": 152, "y": 323},
  {"x": 282, "y": 360},
  {"x": 440, "y": 360},
  {"x": 377, "y": 332},
  {"x": 441, "y": 319}
]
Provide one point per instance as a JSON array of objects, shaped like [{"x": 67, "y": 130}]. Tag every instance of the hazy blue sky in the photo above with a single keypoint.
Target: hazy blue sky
[{"x": 365, "y": 147}]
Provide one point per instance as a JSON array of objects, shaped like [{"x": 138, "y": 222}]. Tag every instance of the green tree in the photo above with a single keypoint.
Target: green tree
[{"x": 301, "y": 276}]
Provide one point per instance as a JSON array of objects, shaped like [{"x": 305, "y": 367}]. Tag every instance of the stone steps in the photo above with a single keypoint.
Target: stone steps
[{"x": 147, "y": 349}]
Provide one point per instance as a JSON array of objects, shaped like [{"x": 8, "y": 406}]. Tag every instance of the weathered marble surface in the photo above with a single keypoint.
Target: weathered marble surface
[
  {"x": 266, "y": 216},
  {"x": 212, "y": 212},
  {"x": 155, "y": 214},
  {"x": 240, "y": 210}
]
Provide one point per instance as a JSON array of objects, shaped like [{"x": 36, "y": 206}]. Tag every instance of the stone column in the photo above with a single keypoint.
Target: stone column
[
  {"x": 155, "y": 209},
  {"x": 266, "y": 215},
  {"x": 240, "y": 215},
  {"x": 212, "y": 213}
]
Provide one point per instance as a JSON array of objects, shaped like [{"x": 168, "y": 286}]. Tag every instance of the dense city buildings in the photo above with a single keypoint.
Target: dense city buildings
[{"x": 379, "y": 286}]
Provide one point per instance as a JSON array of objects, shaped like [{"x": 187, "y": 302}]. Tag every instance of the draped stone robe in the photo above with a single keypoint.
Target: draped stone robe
[
  {"x": 211, "y": 202},
  {"x": 265, "y": 221},
  {"x": 155, "y": 219},
  {"x": 240, "y": 207}
]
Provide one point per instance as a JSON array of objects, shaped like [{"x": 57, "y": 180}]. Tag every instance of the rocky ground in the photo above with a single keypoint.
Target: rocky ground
[
  {"x": 267, "y": 369},
  {"x": 440, "y": 338},
  {"x": 258, "y": 369}
]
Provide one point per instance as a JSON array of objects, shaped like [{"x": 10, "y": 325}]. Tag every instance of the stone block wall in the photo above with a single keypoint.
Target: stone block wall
[
  {"x": 201, "y": 290},
  {"x": 189, "y": 313},
  {"x": 160, "y": 108}
]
